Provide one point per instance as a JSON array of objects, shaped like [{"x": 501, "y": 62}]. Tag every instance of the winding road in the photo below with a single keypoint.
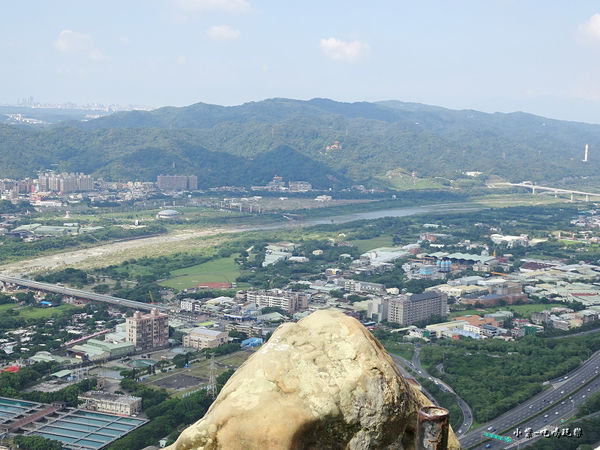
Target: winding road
[{"x": 415, "y": 365}]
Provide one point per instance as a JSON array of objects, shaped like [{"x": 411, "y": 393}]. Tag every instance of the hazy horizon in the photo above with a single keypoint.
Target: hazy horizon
[{"x": 497, "y": 56}]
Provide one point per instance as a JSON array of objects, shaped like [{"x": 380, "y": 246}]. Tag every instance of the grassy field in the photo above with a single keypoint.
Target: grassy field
[
  {"x": 519, "y": 310},
  {"x": 364, "y": 245},
  {"x": 215, "y": 271},
  {"x": 400, "y": 349},
  {"x": 29, "y": 312},
  {"x": 406, "y": 183}
]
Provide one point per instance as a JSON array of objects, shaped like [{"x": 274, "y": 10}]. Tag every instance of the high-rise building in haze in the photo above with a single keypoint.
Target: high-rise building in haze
[
  {"x": 65, "y": 183},
  {"x": 177, "y": 182}
]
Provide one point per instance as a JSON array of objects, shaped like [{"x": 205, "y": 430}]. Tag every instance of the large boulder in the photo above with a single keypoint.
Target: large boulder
[{"x": 322, "y": 383}]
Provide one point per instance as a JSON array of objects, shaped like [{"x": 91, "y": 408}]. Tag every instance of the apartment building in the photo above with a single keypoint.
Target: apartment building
[
  {"x": 407, "y": 309},
  {"x": 288, "y": 301},
  {"x": 65, "y": 183},
  {"x": 147, "y": 330}
]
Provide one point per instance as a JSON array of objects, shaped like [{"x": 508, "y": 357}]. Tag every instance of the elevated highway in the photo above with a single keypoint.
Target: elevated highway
[
  {"x": 547, "y": 408},
  {"x": 556, "y": 191},
  {"x": 78, "y": 293}
]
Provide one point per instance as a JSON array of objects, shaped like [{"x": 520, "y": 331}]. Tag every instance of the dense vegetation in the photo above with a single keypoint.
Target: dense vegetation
[
  {"x": 36, "y": 443},
  {"x": 248, "y": 144},
  {"x": 493, "y": 376}
]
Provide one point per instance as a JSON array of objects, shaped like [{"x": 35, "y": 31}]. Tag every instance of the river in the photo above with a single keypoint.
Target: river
[
  {"x": 369, "y": 215},
  {"x": 115, "y": 252}
]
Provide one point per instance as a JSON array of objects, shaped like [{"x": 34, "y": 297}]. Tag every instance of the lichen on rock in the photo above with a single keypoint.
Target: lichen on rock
[{"x": 322, "y": 383}]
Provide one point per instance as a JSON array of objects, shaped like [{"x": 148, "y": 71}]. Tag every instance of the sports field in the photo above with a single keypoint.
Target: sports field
[
  {"x": 364, "y": 245},
  {"x": 220, "y": 270}
]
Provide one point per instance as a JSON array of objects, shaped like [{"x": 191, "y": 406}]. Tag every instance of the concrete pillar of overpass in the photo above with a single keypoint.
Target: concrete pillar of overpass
[
  {"x": 533, "y": 190},
  {"x": 587, "y": 198},
  {"x": 432, "y": 428},
  {"x": 572, "y": 197}
]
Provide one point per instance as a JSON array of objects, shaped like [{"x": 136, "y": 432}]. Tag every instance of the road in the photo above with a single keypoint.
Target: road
[
  {"x": 462, "y": 404},
  {"x": 402, "y": 365},
  {"x": 559, "y": 401},
  {"x": 581, "y": 333},
  {"x": 86, "y": 295},
  {"x": 416, "y": 366},
  {"x": 534, "y": 188}
]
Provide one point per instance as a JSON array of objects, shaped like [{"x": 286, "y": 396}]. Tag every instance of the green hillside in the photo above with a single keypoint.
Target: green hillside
[{"x": 250, "y": 143}]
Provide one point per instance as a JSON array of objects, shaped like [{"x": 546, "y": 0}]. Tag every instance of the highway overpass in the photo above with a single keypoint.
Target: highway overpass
[
  {"x": 78, "y": 293},
  {"x": 587, "y": 195}
]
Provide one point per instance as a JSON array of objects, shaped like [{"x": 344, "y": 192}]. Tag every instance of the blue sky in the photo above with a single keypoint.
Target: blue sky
[{"x": 491, "y": 55}]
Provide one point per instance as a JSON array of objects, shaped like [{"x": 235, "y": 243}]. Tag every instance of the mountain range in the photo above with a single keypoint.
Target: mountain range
[{"x": 325, "y": 142}]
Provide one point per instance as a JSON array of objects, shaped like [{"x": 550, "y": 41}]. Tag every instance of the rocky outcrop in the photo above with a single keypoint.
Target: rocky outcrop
[{"x": 322, "y": 383}]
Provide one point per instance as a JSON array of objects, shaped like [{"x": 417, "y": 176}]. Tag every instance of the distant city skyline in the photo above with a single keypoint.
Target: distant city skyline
[{"x": 500, "y": 55}]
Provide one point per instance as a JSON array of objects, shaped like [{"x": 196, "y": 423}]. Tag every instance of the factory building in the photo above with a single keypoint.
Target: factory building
[{"x": 111, "y": 403}]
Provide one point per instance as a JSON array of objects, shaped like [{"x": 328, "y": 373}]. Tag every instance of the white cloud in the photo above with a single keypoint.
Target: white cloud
[
  {"x": 590, "y": 30},
  {"x": 222, "y": 33},
  {"x": 97, "y": 55},
  {"x": 73, "y": 42},
  {"x": 232, "y": 6},
  {"x": 339, "y": 50},
  {"x": 181, "y": 60}
]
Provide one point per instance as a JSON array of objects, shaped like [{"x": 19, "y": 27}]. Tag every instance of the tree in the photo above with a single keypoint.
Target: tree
[
  {"x": 222, "y": 379},
  {"x": 36, "y": 443},
  {"x": 271, "y": 309},
  {"x": 336, "y": 293},
  {"x": 238, "y": 335},
  {"x": 25, "y": 297}
]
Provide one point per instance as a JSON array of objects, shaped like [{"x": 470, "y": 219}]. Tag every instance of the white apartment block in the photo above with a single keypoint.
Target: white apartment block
[{"x": 288, "y": 301}]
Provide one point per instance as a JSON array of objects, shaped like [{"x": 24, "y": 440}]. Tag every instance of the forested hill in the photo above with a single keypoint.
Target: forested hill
[{"x": 250, "y": 143}]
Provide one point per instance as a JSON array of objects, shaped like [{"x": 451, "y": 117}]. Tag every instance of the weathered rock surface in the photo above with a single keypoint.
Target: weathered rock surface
[{"x": 322, "y": 383}]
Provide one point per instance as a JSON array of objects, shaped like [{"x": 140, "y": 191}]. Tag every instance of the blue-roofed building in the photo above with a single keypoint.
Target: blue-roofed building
[{"x": 252, "y": 342}]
